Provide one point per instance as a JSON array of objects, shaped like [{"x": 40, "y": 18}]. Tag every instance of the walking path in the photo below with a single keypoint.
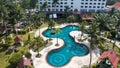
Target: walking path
[
  {"x": 117, "y": 43},
  {"x": 75, "y": 62}
]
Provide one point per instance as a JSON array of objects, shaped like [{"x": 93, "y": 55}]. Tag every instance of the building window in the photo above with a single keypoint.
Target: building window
[
  {"x": 94, "y": 6},
  {"x": 98, "y": 6},
  {"x": 90, "y": 0},
  {"x": 90, "y": 3},
  {"x": 86, "y": 3},
  {"x": 65, "y": 3},
  {"x": 61, "y": 6},
  {"x": 94, "y": 3},
  {"x": 60, "y": 9},
  {"x": 98, "y": 3},
  {"x": 103, "y": 3},
  {"x": 90, "y": 6},
  {"x": 81, "y": 6},
  {"x": 99, "y": 0},
  {"x": 61, "y": 2},
  {"x": 71, "y": 2},
  {"x": 85, "y": 6},
  {"x": 82, "y": 3},
  {"x": 48, "y": 9},
  {"x": 102, "y": 7},
  {"x": 40, "y": 2},
  {"x": 48, "y": 2},
  {"x": 95, "y": 0},
  {"x": 71, "y": 6}
]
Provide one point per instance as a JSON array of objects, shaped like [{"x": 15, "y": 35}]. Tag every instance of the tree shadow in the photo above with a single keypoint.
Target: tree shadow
[
  {"x": 2, "y": 49},
  {"x": 12, "y": 66}
]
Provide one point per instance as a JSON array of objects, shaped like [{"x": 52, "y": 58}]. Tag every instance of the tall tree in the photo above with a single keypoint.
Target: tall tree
[
  {"x": 51, "y": 24},
  {"x": 55, "y": 3},
  {"x": 44, "y": 6},
  {"x": 57, "y": 30},
  {"x": 71, "y": 18},
  {"x": 33, "y": 4},
  {"x": 82, "y": 27},
  {"x": 15, "y": 13},
  {"x": 25, "y": 4},
  {"x": 103, "y": 20},
  {"x": 67, "y": 9},
  {"x": 93, "y": 32}
]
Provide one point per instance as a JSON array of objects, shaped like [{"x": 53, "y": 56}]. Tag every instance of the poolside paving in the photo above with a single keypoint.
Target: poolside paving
[{"x": 75, "y": 62}]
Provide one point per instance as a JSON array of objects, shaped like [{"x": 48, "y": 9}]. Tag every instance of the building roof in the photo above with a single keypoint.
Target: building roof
[
  {"x": 111, "y": 55},
  {"x": 2, "y": 28},
  {"x": 117, "y": 5},
  {"x": 18, "y": 38},
  {"x": 24, "y": 62}
]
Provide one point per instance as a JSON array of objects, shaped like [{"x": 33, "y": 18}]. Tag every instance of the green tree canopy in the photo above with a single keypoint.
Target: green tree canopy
[
  {"x": 71, "y": 18},
  {"x": 15, "y": 57}
]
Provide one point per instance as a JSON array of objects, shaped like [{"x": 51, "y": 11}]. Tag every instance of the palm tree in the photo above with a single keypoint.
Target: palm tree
[
  {"x": 44, "y": 6},
  {"x": 93, "y": 29},
  {"x": 3, "y": 15},
  {"x": 67, "y": 9},
  {"x": 57, "y": 30},
  {"x": 55, "y": 3},
  {"x": 71, "y": 18},
  {"x": 103, "y": 20},
  {"x": 75, "y": 11},
  {"x": 82, "y": 27},
  {"x": 15, "y": 13},
  {"x": 51, "y": 24}
]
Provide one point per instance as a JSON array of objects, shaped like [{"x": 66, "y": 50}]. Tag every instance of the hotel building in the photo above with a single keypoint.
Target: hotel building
[{"x": 80, "y": 5}]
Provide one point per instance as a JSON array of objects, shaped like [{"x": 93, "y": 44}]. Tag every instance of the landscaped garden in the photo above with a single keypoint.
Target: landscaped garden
[{"x": 17, "y": 42}]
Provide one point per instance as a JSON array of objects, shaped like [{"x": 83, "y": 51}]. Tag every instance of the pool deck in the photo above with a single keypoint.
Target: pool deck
[{"x": 75, "y": 62}]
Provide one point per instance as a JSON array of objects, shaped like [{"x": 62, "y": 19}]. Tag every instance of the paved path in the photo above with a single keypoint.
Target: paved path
[{"x": 117, "y": 43}]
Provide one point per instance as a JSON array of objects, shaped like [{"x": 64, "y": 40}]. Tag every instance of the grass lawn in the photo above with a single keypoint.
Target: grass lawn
[{"x": 4, "y": 58}]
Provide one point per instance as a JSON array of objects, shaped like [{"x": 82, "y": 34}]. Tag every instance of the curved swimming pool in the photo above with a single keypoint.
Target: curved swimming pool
[{"x": 61, "y": 56}]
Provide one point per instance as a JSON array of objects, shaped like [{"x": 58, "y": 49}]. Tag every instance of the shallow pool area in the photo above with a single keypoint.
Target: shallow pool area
[{"x": 62, "y": 56}]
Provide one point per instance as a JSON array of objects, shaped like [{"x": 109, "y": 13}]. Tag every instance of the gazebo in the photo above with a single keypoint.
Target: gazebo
[
  {"x": 18, "y": 39},
  {"x": 112, "y": 57},
  {"x": 24, "y": 62}
]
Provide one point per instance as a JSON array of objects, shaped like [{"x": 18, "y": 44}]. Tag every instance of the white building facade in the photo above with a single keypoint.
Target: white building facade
[{"x": 80, "y": 5}]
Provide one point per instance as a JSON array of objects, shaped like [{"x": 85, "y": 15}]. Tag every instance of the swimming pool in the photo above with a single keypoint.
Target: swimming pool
[{"x": 61, "y": 56}]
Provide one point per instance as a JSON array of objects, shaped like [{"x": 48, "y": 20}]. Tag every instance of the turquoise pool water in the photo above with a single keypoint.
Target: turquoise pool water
[{"x": 61, "y": 56}]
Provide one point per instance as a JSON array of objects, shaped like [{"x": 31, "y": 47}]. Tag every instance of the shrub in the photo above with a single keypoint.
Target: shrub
[
  {"x": 15, "y": 57},
  {"x": 38, "y": 55},
  {"x": 28, "y": 54},
  {"x": 57, "y": 44}
]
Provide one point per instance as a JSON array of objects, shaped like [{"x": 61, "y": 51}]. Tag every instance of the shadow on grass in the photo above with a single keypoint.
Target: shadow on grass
[
  {"x": 12, "y": 66},
  {"x": 2, "y": 49}
]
